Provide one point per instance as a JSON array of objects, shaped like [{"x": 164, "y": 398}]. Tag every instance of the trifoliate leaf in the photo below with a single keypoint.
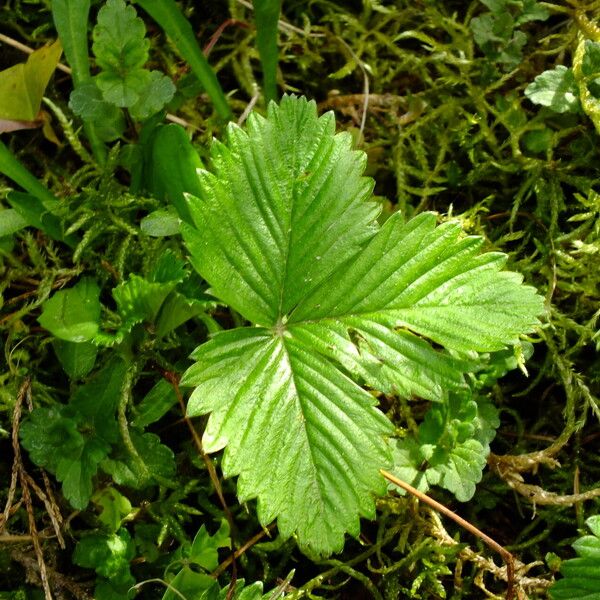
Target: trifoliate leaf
[
  {"x": 336, "y": 300},
  {"x": 73, "y": 314},
  {"x": 581, "y": 576},
  {"x": 121, "y": 50},
  {"x": 555, "y": 89},
  {"x": 119, "y": 38},
  {"x": 157, "y": 92},
  {"x": 87, "y": 102},
  {"x": 123, "y": 90}
]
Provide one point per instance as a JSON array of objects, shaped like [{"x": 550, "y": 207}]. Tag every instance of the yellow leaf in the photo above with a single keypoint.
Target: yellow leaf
[{"x": 22, "y": 86}]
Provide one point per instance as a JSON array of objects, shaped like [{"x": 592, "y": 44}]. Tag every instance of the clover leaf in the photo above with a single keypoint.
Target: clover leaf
[{"x": 284, "y": 232}]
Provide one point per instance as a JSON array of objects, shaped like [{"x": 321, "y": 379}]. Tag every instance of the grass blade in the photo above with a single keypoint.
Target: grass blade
[
  {"x": 266, "y": 13},
  {"x": 71, "y": 22},
  {"x": 177, "y": 27},
  {"x": 13, "y": 169}
]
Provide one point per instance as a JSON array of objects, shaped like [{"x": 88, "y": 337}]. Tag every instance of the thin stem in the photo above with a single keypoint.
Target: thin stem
[
  {"x": 486, "y": 539},
  {"x": 130, "y": 375}
]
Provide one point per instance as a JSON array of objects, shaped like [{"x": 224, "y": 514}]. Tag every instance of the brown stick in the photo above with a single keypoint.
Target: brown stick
[
  {"x": 486, "y": 539},
  {"x": 241, "y": 550}
]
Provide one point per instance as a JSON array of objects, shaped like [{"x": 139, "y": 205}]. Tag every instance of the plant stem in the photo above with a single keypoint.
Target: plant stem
[{"x": 130, "y": 375}]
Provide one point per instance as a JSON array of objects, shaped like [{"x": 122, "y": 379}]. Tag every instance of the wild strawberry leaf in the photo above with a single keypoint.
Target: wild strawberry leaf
[{"x": 284, "y": 233}]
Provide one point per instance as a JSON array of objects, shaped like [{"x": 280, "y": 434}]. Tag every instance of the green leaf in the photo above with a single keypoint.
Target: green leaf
[
  {"x": 114, "y": 508},
  {"x": 41, "y": 215},
  {"x": 97, "y": 400},
  {"x": 581, "y": 576},
  {"x": 120, "y": 43},
  {"x": 108, "y": 554},
  {"x": 47, "y": 430},
  {"x": 532, "y": 10},
  {"x": 139, "y": 300},
  {"x": 168, "y": 15},
  {"x": 76, "y": 470},
  {"x": 497, "y": 34},
  {"x": 123, "y": 90},
  {"x": 591, "y": 59},
  {"x": 160, "y": 223},
  {"x": 71, "y": 441},
  {"x": 590, "y": 67},
  {"x": 11, "y": 222},
  {"x": 54, "y": 441},
  {"x": 170, "y": 180},
  {"x": 14, "y": 170},
  {"x": 204, "y": 551},
  {"x": 192, "y": 585},
  {"x": 555, "y": 89},
  {"x": 451, "y": 448},
  {"x": 158, "y": 459},
  {"x": 266, "y": 14},
  {"x": 71, "y": 21},
  {"x": 74, "y": 314},
  {"x": 22, "y": 86},
  {"x": 168, "y": 269},
  {"x": 156, "y": 403},
  {"x": 157, "y": 92},
  {"x": 87, "y": 102},
  {"x": 178, "y": 309},
  {"x": 77, "y": 359},
  {"x": 336, "y": 301}
]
